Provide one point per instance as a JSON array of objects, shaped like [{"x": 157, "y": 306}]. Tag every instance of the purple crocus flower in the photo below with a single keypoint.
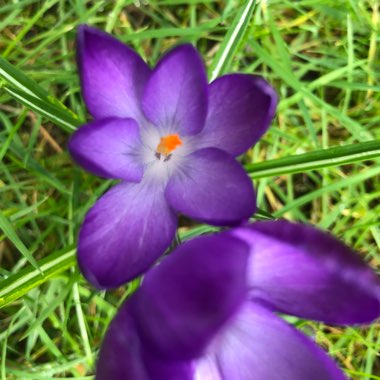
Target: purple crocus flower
[
  {"x": 208, "y": 311},
  {"x": 171, "y": 139}
]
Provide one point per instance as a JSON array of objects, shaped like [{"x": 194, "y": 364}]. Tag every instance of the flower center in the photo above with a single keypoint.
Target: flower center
[{"x": 167, "y": 145}]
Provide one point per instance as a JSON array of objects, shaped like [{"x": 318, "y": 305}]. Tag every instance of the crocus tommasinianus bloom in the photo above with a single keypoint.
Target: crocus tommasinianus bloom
[
  {"x": 207, "y": 312},
  {"x": 171, "y": 138}
]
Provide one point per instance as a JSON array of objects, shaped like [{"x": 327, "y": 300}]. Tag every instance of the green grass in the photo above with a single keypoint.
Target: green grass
[{"x": 321, "y": 55}]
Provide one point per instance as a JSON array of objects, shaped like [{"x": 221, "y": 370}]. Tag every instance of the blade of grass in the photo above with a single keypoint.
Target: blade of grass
[
  {"x": 28, "y": 92},
  {"x": 11, "y": 234},
  {"x": 58, "y": 115},
  {"x": 20, "y": 283},
  {"x": 82, "y": 324},
  {"x": 232, "y": 39},
  {"x": 171, "y": 32},
  {"x": 323, "y": 158},
  {"x": 16, "y": 78}
]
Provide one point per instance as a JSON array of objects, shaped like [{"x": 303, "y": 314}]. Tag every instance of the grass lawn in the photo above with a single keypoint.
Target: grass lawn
[{"x": 322, "y": 56}]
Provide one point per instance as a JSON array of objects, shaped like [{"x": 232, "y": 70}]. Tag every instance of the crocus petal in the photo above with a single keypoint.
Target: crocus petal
[
  {"x": 122, "y": 356},
  {"x": 108, "y": 148},
  {"x": 212, "y": 187},
  {"x": 190, "y": 295},
  {"x": 297, "y": 269},
  {"x": 126, "y": 230},
  {"x": 112, "y": 75},
  {"x": 175, "y": 97},
  {"x": 259, "y": 345},
  {"x": 240, "y": 110}
]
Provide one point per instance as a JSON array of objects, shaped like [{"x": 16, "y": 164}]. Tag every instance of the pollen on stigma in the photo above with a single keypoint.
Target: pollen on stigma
[{"x": 167, "y": 145}]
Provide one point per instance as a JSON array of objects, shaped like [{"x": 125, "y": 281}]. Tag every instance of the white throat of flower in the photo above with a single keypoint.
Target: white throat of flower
[{"x": 163, "y": 152}]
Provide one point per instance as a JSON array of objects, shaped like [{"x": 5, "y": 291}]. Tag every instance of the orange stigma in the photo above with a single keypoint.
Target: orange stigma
[{"x": 168, "y": 144}]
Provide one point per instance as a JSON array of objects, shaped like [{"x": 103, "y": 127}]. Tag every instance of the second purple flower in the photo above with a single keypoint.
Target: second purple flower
[
  {"x": 172, "y": 139},
  {"x": 210, "y": 310}
]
